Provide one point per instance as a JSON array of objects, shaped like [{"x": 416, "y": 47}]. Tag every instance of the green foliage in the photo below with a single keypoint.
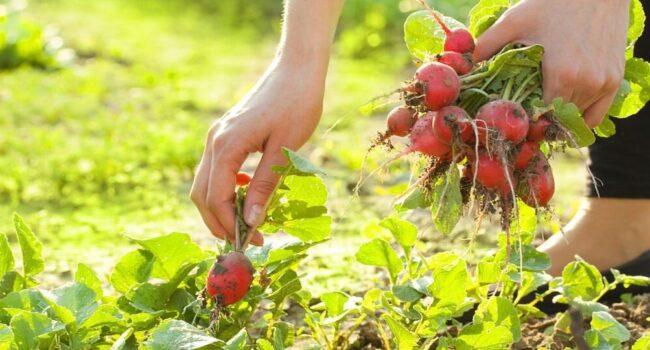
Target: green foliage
[{"x": 25, "y": 42}]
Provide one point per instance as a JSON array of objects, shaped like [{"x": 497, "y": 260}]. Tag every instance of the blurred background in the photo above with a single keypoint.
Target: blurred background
[{"x": 105, "y": 104}]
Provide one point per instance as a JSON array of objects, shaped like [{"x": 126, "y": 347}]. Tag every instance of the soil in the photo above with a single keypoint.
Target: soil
[{"x": 538, "y": 333}]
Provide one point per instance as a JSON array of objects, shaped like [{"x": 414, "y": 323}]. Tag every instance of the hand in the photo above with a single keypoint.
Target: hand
[
  {"x": 282, "y": 111},
  {"x": 584, "y": 43}
]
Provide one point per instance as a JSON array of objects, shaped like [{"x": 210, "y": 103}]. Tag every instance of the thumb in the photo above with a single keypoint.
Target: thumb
[
  {"x": 502, "y": 33},
  {"x": 262, "y": 186}
]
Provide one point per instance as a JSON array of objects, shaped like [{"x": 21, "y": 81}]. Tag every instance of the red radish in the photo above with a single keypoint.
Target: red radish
[
  {"x": 538, "y": 187},
  {"x": 461, "y": 63},
  {"x": 424, "y": 141},
  {"x": 542, "y": 129},
  {"x": 440, "y": 85},
  {"x": 243, "y": 179},
  {"x": 453, "y": 122},
  {"x": 525, "y": 154},
  {"x": 489, "y": 172},
  {"x": 508, "y": 119},
  {"x": 230, "y": 278},
  {"x": 458, "y": 40},
  {"x": 400, "y": 121}
]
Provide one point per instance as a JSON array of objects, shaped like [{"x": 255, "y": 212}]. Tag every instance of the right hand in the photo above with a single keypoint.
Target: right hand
[{"x": 283, "y": 110}]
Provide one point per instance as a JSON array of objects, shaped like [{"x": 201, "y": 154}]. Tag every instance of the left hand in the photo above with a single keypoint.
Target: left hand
[{"x": 584, "y": 42}]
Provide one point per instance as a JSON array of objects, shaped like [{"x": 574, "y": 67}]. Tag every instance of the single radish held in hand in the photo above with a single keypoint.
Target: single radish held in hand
[
  {"x": 243, "y": 179},
  {"x": 457, "y": 40},
  {"x": 400, "y": 121},
  {"x": 507, "y": 119},
  {"x": 537, "y": 189},
  {"x": 461, "y": 63},
  {"x": 440, "y": 85},
  {"x": 525, "y": 154},
  {"x": 453, "y": 123},
  {"x": 230, "y": 278}
]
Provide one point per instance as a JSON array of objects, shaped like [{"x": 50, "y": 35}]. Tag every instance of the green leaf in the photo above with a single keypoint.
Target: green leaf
[
  {"x": 484, "y": 14},
  {"x": 300, "y": 165},
  {"x": 6, "y": 337},
  {"x": 587, "y": 308},
  {"x": 423, "y": 35},
  {"x": 487, "y": 271},
  {"x": 531, "y": 281},
  {"x": 643, "y": 343},
  {"x": 171, "y": 252},
  {"x": 177, "y": 335},
  {"x": 501, "y": 312},
  {"x": 569, "y": 116},
  {"x": 120, "y": 343},
  {"x": 484, "y": 336},
  {"x": 335, "y": 302},
  {"x": 450, "y": 278},
  {"x": 533, "y": 259},
  {"x": 378, "y": 252},
  {"x": 510, "y": 61},
  {"x": 407, "y": 293},
  {"x": 31, "y": 328},
  {"x": 447, "y": 201},
  {"x": 637, "y": 22},
  {"x": 31, "y": 248},
  {"x": 606, "y": 128},
  {"x": 404, "y": 339},
  {"x": 264, "y": 344},
  {"x": 609, "y": 327},
  {"x": 637, "y": 86},
  {"x": 309, "y": 229},
  {"x": 7, "y": 262},
  {"x": 286, "y": 285},
  {"x": 238, "y": 341},
  {"x": 415, "y": 200},
  {"x": 526, "y": 223},
  {"x": 105, "y": 315},
  {"x": 86, "y": 276},
  {"x": 580, "y": 279},
  {"x": 133, "y": 268},
  {"x": 78, "y": 299},
  {"x": 26, "y": 299},
  {"x": 404, "y": 232}
]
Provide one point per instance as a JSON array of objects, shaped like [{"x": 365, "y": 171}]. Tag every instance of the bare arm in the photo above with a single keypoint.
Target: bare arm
[
  {"x": 584, "y": 41},
  {"x": 282, "y": 110}
]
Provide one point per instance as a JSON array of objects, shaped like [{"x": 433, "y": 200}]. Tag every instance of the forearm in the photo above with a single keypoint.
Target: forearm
[{"x": 307, "y": 34}]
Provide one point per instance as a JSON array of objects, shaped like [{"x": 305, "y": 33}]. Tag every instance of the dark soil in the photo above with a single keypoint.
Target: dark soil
[
  {"x": 539, "y": 333},
  {"x": 634, "y": 316}
]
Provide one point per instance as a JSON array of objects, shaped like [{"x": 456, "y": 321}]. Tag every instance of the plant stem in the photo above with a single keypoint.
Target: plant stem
[
  {"x": 474, "y": 77},
  {"x": 507, "y": 89},
  {"x": 435, "y": 15},
  {"x": 517, "y": 94}
]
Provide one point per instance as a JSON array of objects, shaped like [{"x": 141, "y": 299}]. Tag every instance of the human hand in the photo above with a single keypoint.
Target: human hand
[
  {"x": 282, "y": 111},
  {"x": 584, "y": 42}
]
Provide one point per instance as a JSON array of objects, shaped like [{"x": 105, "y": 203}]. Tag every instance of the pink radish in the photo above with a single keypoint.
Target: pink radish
[
  {"x": 440, "y": 85},
  {"x": 461, "y": 63},
  {"x": 452, "y": 122},
  {"x": 400, "y": 121},
  {"x": 525, "y": 154},
  {"x": 458, "y": 40},
  {"x": 507, "y": 119},
  {"x": 537, "y": 189}
]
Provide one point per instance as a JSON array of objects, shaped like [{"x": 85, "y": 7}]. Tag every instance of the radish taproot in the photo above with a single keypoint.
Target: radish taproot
[
  {"x": 461, "y": 63},
  {"x": 453, "y": 123},
  {"x": 502, "y": 119},
  {"x": 440, "y": 85},
  {"x": 230, "y": 278},
  {"x": 400, "y": 121}
]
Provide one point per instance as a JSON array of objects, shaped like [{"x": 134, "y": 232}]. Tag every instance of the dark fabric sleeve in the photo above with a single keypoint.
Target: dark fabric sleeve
[{"x": 621, "y": 163}]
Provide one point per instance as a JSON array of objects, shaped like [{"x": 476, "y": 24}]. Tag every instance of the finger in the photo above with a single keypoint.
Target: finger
[
  {"x": 220, "y": 200},
  {"x": 596, "y": 112},
  {"x": 557, "y": 82},
  {"x": 198, "y": 195},
  {"x": 502, "y": 33},
  {"x": 262, "y": 186}
]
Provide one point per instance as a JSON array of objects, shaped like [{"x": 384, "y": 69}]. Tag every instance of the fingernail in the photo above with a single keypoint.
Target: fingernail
[{"x": 254, "y": 217}]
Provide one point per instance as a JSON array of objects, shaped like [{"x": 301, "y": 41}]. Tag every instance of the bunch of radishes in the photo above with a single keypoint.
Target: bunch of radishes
[{"x": 497, "y": 142}]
